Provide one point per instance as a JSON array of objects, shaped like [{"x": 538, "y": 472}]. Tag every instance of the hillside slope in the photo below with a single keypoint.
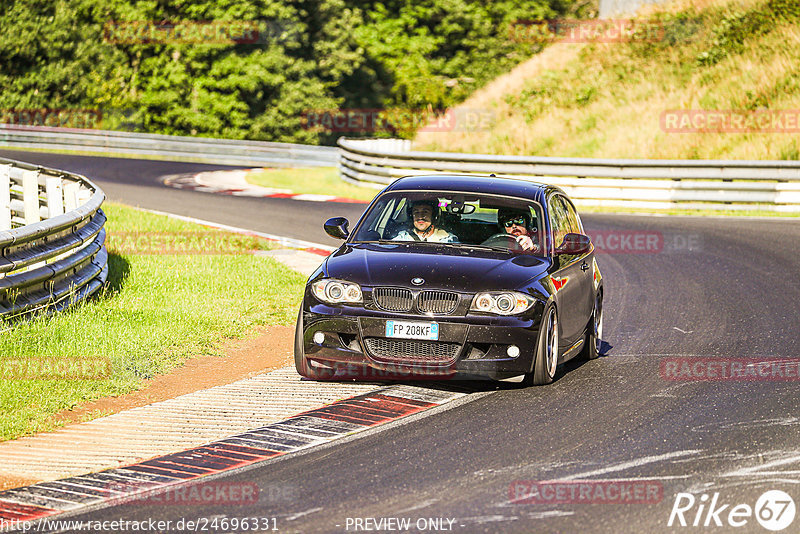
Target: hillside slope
[{"x": 721, "y": 81}]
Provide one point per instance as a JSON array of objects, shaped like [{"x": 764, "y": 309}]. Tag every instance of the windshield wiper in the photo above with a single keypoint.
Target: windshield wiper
[
  {"x": 482, "y": 247},
  {"x": 412, "y": 242}
]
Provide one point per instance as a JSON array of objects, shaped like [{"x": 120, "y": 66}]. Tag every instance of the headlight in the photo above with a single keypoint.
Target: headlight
[
  {"x": 336, "y": 291},
  {"x": 501, "y": 303}
]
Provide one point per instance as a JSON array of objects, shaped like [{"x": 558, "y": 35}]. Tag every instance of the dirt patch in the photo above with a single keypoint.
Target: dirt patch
[{"x": 268, "y": 349}]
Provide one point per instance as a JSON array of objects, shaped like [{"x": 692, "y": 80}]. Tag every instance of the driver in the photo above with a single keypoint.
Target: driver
[
  {"x": 424, "y": 214},
  {"x": 517, "y": 223}
]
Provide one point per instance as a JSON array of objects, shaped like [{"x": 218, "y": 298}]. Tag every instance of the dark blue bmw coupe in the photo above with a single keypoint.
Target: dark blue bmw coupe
[{"x": 454, "y": 276}]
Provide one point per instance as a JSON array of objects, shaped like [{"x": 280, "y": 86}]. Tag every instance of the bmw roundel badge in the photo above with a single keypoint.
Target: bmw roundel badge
[{"x": 417, "y": 281}]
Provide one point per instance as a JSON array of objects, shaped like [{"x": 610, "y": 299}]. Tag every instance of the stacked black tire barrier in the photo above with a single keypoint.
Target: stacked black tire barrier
[{"x": 51, "y": 264}]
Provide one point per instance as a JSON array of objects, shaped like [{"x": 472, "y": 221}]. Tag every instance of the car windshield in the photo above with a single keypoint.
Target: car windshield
[{"x": 456, "y": 219}]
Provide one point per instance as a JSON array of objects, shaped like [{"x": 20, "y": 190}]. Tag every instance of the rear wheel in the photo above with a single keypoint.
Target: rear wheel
[
  {"x": 546, "y": 357},
  {"x": 594, "y": 331},
  {"x": 301, "y": 363}
]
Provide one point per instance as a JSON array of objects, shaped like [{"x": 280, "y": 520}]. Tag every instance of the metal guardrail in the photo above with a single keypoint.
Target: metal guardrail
[
  {"x": 52, "y": 240},
  {"x": 170, "y": 147},
  {"x": 652, "y": 184}
]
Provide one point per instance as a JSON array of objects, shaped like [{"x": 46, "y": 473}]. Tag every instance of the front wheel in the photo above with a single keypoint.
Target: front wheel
[
  {"x": 546, "y": 358},
  {"x": 594, "y": 331}
]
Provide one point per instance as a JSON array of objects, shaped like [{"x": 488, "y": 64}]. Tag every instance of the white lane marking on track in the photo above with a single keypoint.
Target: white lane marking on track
[
  {"x": 776, "y": 421},
  {"x": 301, "y": 514},
  {"x": 759, "y": 470},
  {"x": 314, "y": 198},
  {"x": 235, "y": 183},
  {"x": 423, "y": 504},
  {"x": 767, "y": 483},
  {"x": 288, "y": 241},
  {"x": 667, "y": 393},
  {"x": 632, "y": 463},
  {"x": 550, "y": 513}
]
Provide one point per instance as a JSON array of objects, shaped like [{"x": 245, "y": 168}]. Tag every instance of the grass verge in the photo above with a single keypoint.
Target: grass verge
[
  {"x": 312, "y": 180},
  {"x": 157, "y": 310}
]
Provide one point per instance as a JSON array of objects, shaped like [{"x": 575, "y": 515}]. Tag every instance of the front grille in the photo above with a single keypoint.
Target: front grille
[
  {"x": 442, "y": 302},
  {"x": 412, "y": 350},
  {"x": 393, "y": 299}
]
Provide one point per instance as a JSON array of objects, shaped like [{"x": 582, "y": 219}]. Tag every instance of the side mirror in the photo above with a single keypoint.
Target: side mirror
[
  {"x": 574, "y": 244},
  {"x": 337, "y": 227}
]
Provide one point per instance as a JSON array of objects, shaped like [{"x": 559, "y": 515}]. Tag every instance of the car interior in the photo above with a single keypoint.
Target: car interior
[{"x": 472, "y": 220}]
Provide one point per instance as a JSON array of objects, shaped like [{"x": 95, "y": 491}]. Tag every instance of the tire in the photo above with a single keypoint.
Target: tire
[
  {"x": 545, "y": 360},
  {"x": 594, "y": 331},
  {"x": 301, "y": 363}
]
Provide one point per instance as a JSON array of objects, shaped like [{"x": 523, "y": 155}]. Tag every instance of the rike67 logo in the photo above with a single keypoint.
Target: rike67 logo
[{"x": 774, "y": 510}]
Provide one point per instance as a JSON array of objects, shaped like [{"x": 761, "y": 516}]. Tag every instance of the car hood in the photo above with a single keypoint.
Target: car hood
[{"x": 441, "y": 266}]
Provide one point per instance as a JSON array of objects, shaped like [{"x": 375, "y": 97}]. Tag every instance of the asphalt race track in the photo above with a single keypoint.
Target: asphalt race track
[{"x": 713, "y": 287}]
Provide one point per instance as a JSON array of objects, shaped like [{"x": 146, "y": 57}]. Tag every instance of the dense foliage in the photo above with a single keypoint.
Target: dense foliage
[
  {"x": 207, "y": 76},
  {"x": 736, "y": 28}
]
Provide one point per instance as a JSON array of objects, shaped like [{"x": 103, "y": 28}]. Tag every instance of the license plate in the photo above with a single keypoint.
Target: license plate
[{"x": 407, "y": 330}]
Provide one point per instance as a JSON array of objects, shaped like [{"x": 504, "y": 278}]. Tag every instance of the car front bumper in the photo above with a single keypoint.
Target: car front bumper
[{"x": 353, "y": 344}]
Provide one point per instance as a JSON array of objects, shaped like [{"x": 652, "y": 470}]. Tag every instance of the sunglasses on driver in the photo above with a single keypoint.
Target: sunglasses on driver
[{"x": 519, "y": 221}]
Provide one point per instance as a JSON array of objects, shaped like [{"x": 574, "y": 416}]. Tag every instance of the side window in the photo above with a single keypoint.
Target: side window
[
  {"x": 574, "y": 221},
  {"x": 383, "y": 219},
  {"x": 395, "y": 218},
  {"x": 559, "y": 219}
]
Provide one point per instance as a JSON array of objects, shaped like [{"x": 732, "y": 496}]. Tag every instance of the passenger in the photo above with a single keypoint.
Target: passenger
[
  {"x": 424, "y": 214},
  {"x": 517, "y": 222}
]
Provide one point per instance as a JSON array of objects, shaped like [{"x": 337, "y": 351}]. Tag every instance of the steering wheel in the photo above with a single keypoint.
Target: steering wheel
[{"x": 503, "y": 240}]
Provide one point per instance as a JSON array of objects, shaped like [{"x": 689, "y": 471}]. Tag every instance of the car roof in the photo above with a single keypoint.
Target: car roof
[{"x": 473, "y": 184}]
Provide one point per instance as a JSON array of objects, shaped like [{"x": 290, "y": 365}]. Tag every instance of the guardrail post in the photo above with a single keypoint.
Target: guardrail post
[
  {"x": 5, "y": 197},
  {"x": 30, "y": 196},
  {"x": 55, "y": 196},
  {"x": 71, "y": 196}
]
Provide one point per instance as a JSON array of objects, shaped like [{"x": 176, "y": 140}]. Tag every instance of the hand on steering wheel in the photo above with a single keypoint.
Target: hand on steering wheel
[
  {"x": 503, "y": 240},
  {"x": 518, "y": 243},
  {"x": 526, "y": 242}
]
